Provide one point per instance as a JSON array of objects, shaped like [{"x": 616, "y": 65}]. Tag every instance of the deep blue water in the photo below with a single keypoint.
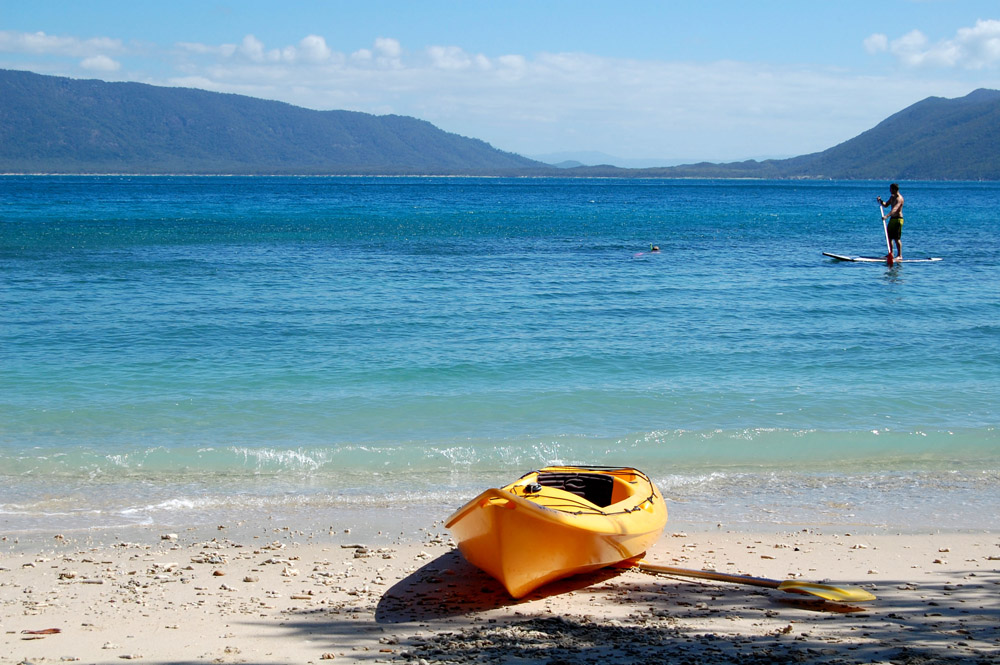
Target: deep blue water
[{"x": 170, "y": 347}]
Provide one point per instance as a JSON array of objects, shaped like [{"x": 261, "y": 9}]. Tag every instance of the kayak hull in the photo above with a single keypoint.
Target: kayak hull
[{"x": 557, "y": 522}]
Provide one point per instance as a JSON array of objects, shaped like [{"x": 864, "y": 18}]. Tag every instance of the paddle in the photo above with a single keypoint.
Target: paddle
[
  {"x": 885, "y": 229},
  {"x": 847, "y": 594}
]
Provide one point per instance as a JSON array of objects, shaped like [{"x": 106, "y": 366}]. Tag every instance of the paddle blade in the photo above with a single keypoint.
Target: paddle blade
[{"x": 847, "y": 594}]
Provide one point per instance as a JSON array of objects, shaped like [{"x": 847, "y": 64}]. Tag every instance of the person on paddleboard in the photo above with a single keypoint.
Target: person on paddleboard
[{"x": 895, "y": 217}]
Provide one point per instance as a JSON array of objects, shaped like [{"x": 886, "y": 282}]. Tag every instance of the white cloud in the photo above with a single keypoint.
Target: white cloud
[
  {"x": 511, "y": 67},
  {"x": 100, "y": 63},
  {"x": 513, "y": 61},
  {"x": 389, "y": 53},
  {"x": 252, "y": 49},
  {"x": 313, "y": 48},
  {"x": 455, "y": 58},
  {"x": 449, "y": 57},
  {"x": 224, "y": 50},
  {"x": 877, "y": 43},
  {"x": 388, "y": 48},
  {"x": 386, "y": 53},
  {"x": 95, "y": 53},
  {"x": 972, "y": 48},
  {"x": 43, "y": 44},
  {"x": 981, "y": 44}
]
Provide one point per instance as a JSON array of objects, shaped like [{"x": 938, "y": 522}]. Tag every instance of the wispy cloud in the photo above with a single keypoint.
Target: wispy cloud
[
  {"x": 877, "y": 43},
  {"x": 100, "y": 63},
  {"x": 91, "y": 54},
  {"x": 42, "y": 44},
  {"x": 977, "y": 47}
]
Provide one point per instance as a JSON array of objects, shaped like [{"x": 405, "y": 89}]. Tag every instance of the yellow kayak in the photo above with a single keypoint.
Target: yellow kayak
[{"x": 559, "y": 521}]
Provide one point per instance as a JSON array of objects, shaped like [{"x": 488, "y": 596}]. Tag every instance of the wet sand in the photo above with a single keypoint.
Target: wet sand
[{"x": 287, "y": 596}]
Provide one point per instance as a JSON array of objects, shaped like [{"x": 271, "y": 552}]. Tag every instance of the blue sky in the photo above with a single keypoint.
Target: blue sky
[{"x": 669, "y": 81}]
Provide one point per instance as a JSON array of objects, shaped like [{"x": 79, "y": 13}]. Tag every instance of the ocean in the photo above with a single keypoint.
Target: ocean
[{"x": 349, "y": 352}]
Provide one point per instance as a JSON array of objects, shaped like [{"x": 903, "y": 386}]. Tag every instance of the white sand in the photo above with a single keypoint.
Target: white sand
[{"x": 291, "y": 597}]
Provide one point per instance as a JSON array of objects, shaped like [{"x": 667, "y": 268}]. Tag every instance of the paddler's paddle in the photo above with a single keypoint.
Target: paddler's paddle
[
  {"x": 848, "y": 594},
  {"x": 885, "y": 228}
]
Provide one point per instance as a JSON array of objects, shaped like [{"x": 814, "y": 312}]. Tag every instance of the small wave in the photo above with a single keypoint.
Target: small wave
[
  {"x": 269, "y": 458},
  {"x": 657, "y": 451},
  {"x": 169, "y": 505}
]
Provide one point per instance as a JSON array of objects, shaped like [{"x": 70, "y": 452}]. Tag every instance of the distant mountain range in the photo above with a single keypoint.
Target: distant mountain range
[
  {"x": 570, "y": 159},
  {"x": 52, "y": 124}
]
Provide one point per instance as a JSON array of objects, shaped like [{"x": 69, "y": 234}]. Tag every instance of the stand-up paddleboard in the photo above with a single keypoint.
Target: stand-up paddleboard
[
  {"x": 888, "y": 258},
  {"x": 878, "y": 259}
]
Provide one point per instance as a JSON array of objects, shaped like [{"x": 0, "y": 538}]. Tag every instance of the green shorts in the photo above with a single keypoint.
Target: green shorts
[{"x": 895, "y": 228}]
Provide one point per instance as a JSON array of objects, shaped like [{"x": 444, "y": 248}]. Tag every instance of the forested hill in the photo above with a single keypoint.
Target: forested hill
[
  {"x": 51, "y": 124},
  {"x": 935, "y": 139}
]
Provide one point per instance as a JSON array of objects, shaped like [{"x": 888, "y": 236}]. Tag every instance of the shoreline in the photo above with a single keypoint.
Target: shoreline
[
  {"x": 282, "y": 594},
  {"x": 370, "y": 528}
]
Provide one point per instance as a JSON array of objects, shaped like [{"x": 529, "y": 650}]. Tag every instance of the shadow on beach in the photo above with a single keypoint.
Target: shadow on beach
[
  {"x": 450, "y": 586},
  {"x": 611, "y": 616}
]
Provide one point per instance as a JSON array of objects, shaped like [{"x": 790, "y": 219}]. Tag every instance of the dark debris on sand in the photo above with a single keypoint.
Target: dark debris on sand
[{"x": 578, "y": 641}]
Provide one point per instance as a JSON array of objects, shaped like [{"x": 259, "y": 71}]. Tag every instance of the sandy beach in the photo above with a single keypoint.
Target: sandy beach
[{"x": 287, "y": 596}]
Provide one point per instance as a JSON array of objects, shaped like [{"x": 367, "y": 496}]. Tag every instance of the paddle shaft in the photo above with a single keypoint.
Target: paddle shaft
[
  {"x": 710, "y": 575},
  {"x": 885, "y": 229}
]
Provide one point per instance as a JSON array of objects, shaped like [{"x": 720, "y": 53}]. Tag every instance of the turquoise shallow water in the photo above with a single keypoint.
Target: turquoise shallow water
[{"x": 176, "y": 349}]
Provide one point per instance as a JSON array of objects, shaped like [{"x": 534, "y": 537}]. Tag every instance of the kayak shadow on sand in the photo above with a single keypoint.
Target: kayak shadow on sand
[{"x": 450, "y": 586}]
